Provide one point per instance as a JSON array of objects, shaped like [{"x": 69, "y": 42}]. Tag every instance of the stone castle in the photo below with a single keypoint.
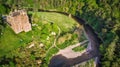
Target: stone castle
[{"x": 19, "y": 21}]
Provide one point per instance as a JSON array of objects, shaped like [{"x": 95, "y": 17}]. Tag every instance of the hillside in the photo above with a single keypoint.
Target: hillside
[{"x": 102, "y": 15}]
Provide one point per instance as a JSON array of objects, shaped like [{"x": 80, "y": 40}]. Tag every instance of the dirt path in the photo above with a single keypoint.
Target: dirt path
[{"x": 54, "y": 43}]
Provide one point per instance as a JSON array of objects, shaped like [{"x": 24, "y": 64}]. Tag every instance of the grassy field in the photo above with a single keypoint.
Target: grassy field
[{"x": 9, "y": 40}]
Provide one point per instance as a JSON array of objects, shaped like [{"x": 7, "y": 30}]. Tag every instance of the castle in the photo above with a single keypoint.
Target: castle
[{"x": 19, "y": 21}]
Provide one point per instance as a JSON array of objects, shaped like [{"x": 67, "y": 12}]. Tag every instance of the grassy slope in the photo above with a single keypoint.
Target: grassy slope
[
  {"x": 62, "y": 21},
  {"x": 9, "y": 40}
]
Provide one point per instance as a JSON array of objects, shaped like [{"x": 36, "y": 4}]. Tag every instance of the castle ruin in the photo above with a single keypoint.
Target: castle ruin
[{"x": 19, "y": 21}]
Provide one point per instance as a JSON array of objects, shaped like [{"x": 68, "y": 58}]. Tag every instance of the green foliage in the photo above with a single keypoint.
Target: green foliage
[
  {"x": 2, "y": 9},
  {"x": 102, "y": 15}
]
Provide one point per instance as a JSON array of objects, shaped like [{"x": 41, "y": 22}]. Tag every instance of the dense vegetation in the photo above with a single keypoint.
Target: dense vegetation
[{"x": 102, "y": 15}]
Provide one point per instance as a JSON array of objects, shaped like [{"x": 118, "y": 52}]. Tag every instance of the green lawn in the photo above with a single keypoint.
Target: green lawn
[
  {"x": 9, "y": 40},
  {"x": 64, "y": 22}
]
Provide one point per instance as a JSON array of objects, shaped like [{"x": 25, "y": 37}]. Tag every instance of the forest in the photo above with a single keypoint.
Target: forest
[{"x": 102, "y": 15}]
